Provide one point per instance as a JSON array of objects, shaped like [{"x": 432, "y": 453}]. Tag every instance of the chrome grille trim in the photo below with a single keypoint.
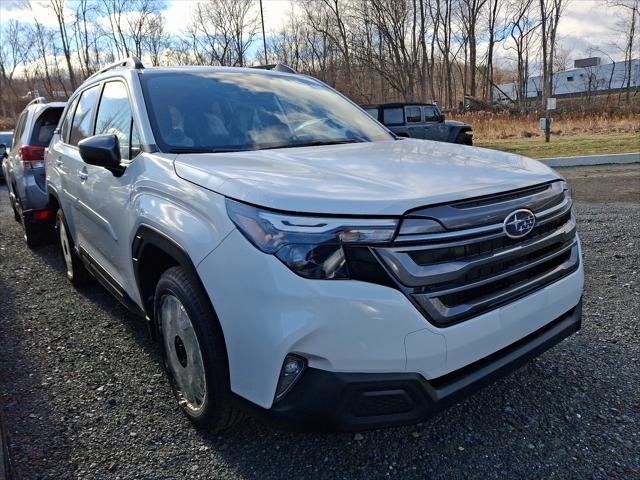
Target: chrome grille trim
[
  {"x": 413, "y": 275},
  {"x": 445, "y": 315},
  {"x": 454, "y": 275}
]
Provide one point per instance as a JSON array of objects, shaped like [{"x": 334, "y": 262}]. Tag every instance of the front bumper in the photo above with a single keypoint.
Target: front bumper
[
  {"x": 267, "y": 312},
  {"x": 338, "y": 401}
]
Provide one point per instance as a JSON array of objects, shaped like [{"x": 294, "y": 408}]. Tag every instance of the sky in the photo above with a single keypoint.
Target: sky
[{"x": 587, "y": 28}]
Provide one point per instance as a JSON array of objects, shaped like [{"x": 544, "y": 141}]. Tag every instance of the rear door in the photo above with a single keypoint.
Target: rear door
[
  {"x": 393, "y": 118},
  {"x": 73, "y": 171},
  {"x": 13, "y": 157}
]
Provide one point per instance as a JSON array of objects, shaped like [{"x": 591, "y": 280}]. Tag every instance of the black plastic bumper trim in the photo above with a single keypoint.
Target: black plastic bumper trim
[{"x": 330, "y": 401}]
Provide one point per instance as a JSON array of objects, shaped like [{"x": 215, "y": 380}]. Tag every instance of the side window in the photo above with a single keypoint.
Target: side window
[
  {"x": 413, "y": 114},
  {"x": 115, "y": 117},
  {"x": 392, "y": 116},
  {"x": 19, "y": 129},
  {"x": 431, "y": 114},
  {"x": 81, "y": 126},
  {"x": 373, "y": 112},
  {"x": 68, "y": 118}
]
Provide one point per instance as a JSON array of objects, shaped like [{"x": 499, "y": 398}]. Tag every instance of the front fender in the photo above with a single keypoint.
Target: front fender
[
  {"x": 455, "y": 130},
  {"x": 196, "y": 220}
]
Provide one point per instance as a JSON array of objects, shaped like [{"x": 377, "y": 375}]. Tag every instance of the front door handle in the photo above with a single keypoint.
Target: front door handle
[{"x": 83, "y": 175}]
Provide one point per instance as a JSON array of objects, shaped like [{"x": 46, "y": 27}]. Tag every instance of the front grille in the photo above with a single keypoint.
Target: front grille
[{"x": 464, "y": 272}]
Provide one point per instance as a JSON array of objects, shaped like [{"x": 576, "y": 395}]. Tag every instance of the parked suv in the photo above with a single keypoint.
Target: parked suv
[
  {"x": 421, "y": 120},
  {"x": 24, "y": 170},
  {"x": 296, "y": 260},
  {"x": 5, "y": 146}
]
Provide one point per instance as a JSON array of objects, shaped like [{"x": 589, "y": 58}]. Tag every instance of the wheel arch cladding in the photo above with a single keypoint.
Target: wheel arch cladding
[
  {"x": 153, "y": 253},
  {"x": 54, "y": 202}
]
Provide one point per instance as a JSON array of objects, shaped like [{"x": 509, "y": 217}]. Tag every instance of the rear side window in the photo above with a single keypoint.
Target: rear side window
[
  {"x": 114, "y": 117},
  {"x": 413, "y": 115},
  {"x": 68, "y": 118},
  {"x": 373, "y": 112},
  {"x": 81, "y": 126},
  {"x": 392, "y": 116},
  {"x": 20, "y": 128},
  {"x": 44, "y": 126}
]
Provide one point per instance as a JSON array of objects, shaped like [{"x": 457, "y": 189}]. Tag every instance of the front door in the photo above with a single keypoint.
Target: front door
[
  {"x": 415, "y": 125},
  {"x": 106, "y": 195},
  {"x": 434, "y": 124}
]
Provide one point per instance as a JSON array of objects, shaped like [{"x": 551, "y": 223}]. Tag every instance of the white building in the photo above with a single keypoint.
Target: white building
[{"x": 589, "y": 76}]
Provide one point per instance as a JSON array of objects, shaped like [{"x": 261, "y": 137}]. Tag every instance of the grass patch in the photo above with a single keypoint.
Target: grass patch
[{"x": 566, "y": 146}]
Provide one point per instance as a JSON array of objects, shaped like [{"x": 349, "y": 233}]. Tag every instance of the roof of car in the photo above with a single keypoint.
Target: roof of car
[
  {"x": 44, "y": 106},
  {"x": 400, "y": 104}
]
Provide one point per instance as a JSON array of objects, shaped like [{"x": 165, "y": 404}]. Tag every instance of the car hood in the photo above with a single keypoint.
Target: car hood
[
  {"x": 373, "y": 178},
  {"x": 455, "y": 123}
]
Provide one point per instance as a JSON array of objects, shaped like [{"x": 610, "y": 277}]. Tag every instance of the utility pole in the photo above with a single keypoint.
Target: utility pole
[{"x": 264, "y": 37}]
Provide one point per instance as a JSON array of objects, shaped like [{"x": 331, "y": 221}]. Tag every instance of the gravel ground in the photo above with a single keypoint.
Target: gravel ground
[{"x": 83, "y": 395}]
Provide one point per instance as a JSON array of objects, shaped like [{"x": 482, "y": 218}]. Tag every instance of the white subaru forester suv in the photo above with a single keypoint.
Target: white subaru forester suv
[{"x": 297, "y": 261}]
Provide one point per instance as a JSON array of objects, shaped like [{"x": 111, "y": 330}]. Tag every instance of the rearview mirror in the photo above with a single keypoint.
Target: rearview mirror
[{"x": 102, "y": 151}]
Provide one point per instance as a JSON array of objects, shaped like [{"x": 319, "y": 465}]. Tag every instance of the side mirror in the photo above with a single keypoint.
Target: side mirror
[
  {"x": 442, "y": 117},
  {"x": 3, "y": 151},
  {"x": 102, "y": 151}
]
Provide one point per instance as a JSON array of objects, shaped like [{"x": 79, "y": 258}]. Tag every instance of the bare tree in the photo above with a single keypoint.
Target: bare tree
[
  {"x": 521, "y": 27},
  {"x": 221, "y": 31},
  {"x": 58, "y": 7},
  {"x": 470, "y": 11},
  {"x": 14, "y": 50},
  {"x": 628, "y": 20},
  {"x": 550, "y": 13},
  {"x": 156, "y": 40}
]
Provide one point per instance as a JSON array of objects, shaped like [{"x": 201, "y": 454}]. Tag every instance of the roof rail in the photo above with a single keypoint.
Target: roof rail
[
  {"x": 278, "y": 67},
  {"x": 131, "y": 62},
  {"x": 36, "y": 100}
]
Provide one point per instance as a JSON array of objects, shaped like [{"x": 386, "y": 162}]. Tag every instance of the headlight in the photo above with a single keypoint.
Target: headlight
[
  {"x": 310, "y": 246},
  {"x": 567, "y": 189}
]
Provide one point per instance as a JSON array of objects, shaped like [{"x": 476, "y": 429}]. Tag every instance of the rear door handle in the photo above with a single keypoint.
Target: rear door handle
[
  {"x": 83, "y": 175},
  {"x": 58, "y": 162}
]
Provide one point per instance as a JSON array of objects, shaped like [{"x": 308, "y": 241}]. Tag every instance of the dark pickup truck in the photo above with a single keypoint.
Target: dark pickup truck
[{"x": 420, "y": 120}]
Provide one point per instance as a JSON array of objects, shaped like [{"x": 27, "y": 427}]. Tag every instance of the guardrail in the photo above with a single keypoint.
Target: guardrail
[{"x": 585, "y": 160}]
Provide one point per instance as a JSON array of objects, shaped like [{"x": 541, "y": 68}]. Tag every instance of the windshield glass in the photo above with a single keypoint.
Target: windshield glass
[{"x": 229, "y": 111}]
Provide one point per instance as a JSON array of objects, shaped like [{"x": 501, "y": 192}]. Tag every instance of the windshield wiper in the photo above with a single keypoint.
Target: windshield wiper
[
  {"x": 314, "y": 143},
  {"x": 208, "y": 150}
]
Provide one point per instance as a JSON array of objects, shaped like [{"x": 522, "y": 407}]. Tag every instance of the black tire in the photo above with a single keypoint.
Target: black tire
[
  {"x": 75, "y": 269},
  {"x": 464, "y": 139},
  {"x": 33, "y": 235},
  {"x": 16, "y": 214},
  {"x": 217, "y": 411}
]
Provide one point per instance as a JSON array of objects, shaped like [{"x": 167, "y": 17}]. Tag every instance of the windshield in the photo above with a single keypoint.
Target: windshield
[{"x": 230, "y": 111}]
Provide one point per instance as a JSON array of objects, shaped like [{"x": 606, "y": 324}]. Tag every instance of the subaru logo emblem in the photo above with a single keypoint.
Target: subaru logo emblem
[{"x": 519, "y": 223}]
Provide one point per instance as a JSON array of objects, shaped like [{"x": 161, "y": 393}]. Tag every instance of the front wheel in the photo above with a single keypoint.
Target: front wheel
[
  {"x": 464, "y": 138},
  {"x": 193, "y": 350}
]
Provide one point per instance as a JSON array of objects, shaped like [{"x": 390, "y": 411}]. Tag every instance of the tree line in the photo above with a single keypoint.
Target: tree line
[{"x": 372, "y": 50}]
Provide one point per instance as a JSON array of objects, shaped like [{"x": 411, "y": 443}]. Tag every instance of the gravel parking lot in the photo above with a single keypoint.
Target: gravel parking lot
[{"x": 83, "y": 395}]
